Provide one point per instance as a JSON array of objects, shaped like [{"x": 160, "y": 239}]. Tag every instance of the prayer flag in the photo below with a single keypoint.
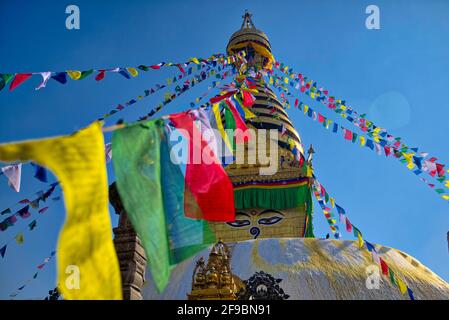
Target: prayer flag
[
  {"x": 13, "y": 173},
  {"x": 19, "y": 79},
  {"x": 143, "y": 169},
  {"x": 86, "y": 237},
  {"x": 206, "y": 180},
  {"x": 383, "y": 266}
]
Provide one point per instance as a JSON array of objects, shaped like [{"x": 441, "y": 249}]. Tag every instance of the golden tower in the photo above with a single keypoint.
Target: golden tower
[{"x": 277, "y": 205}]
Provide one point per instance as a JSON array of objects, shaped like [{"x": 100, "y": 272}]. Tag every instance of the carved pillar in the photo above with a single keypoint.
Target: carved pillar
[{"x": 130, "y": 252}]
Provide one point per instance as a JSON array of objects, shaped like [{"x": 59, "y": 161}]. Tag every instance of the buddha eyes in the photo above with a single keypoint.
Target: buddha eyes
[
  {"x": 261, "y": 221},
  {"x": 239, "y": 223},
  {"x": 269, "y": 221}
]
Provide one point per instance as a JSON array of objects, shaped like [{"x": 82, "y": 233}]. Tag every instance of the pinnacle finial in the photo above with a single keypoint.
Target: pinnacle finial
[
  {"x": 310, "y": 156},
  {"x": 247, "y": 22}
]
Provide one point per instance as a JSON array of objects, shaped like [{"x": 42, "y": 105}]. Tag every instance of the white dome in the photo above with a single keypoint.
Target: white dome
[{"x": 313, "y": 269}]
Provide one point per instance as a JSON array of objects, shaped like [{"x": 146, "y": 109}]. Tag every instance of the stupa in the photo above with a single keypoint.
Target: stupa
[{"x": 270, "y": 251}]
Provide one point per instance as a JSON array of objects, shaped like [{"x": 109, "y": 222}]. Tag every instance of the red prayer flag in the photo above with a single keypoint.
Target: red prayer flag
[
  {"x": 440, "y": 169},
  {"x": 248, "y": 99},
  {"x": 387, "y": 151},
  {"x": 239, "y": 123},
  {"x": 41, "y": 211},
  {"x": 348, "y": 134},
  {"x": 348, "y": 225},
  {"x": 100, "y": 75},
  {"x": 204, "y": 182},
  {"x": 157, "y": 66},
  {"x": 296, "y": 103},
  {"x": 19, "y": 79},
  {"x": 384, "y": 267},
  {"x": 320, "y": 118},
  {"x": 219, "y": 98}
]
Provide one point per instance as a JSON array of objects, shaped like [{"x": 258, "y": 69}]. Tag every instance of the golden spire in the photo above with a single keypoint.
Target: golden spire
[{"x": 215, "y": 280}]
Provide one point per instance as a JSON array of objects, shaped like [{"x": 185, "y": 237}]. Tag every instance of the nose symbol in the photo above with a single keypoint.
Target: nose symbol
[{"x": 254, "y": 231}]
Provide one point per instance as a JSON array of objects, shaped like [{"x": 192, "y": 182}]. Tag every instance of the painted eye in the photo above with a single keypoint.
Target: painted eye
[
  {"x": 239, "y": 223},
  {"x": 269, "y": 221}
]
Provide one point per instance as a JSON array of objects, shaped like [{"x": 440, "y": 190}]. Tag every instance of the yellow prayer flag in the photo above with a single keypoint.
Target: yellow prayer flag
[
  {"x": 132, "y": 71},
  {"x": 224, "y": 136},
  {"x": 445, "y": 197},
  {"x": 248, "y": 113},
  {"x": 85, "y": 248},
  {"x": 74, "y": 74},
  {"x": 332, "y": 202},
  {"x": 286, "y": 80},
  {"x": 360, "y": 239},
  {"x": 342, "y": 107},
  {"x": 306, "y": 108},
  {"x": 402, "y": 286},
  {"x": 312, "y": 95},
  {"x": 447, "y": 184},
  {"x": 19, "y": 238},
  {"x": 194, "y": 60}
]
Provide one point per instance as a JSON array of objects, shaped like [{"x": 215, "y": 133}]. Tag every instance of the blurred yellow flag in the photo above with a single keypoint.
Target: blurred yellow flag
[
  {"x": 402, "y": 286},
  {"x": 132, "y": 71},
  {"x": 87, "y": 263},
  {"x": 74, "y": 74}
]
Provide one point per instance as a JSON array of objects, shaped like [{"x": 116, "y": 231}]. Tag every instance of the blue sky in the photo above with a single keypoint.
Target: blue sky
[{"x": 398, "y": 75}]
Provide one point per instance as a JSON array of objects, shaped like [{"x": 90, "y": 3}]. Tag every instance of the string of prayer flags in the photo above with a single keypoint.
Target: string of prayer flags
[
  {"x": 386, "y": 270},
  {"x": 380, "y": 135},
  {"x": 78, "y": 161},
  {"x": 409, "y": 159},
  {"x": 326, "y": 211},
  {"x": 24, "y": 212},
  {"x": 19, "y": 238},
  {"x": 204, "y": 178},
  {"x": 17, "y": 79},
  {"x": 40, "y": 267},
  {"x": 13, "y": 173},
  {"x": 193, "y": 103},
  {"x": 196, "y": 79},
  {"x": 143, "y": 169}
]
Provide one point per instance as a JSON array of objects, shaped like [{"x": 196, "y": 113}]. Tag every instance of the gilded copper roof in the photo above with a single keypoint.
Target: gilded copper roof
[{"x": 248, "y": 32}]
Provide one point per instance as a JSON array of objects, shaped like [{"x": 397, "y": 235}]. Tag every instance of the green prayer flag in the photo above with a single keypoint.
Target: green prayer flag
[
  {"x": 143, "y": 68},
  {"x": 86, "y": 73},
  {"x": 5, "y": 78},
  {"x": 151, "y": 188},
  {"x": 392, "y": 278},
  {"x": 230, "y": 124}
]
